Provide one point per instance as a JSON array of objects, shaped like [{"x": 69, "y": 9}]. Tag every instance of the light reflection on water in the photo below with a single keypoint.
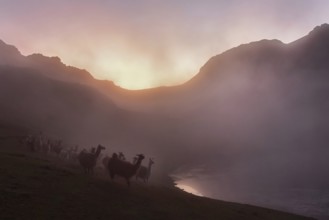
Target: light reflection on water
[
  {"x": 303, "y": 201},
  {"x": 312, "y": 202}
]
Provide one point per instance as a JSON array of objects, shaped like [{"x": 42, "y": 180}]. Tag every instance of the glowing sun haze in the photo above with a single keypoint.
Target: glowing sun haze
[{"x": 150, "y": 43}]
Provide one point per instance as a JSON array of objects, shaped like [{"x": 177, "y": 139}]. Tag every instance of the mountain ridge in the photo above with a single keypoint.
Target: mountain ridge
[
  {"x": 317, "y": 38},
  {"x": 258, "y": 52}
]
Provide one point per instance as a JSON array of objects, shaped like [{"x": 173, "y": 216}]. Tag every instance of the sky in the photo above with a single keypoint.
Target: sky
[{"x": 150, "y": 43}]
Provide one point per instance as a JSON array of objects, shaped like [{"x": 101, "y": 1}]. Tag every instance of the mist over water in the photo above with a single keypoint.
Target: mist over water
[{"x": 263, "y": 140}]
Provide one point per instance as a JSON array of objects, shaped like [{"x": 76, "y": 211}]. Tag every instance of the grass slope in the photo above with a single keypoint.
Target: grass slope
[{"x": 35, "y": 188}]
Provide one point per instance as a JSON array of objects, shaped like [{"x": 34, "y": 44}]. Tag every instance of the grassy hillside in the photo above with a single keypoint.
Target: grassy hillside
[{"x": 32, "y": 187}]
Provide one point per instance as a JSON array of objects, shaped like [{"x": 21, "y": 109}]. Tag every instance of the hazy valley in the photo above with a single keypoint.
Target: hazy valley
[{"x": 251, "y": 126}]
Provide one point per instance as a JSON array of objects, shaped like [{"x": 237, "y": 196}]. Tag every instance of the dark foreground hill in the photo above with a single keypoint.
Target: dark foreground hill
[{"x": 32, "y": 187}]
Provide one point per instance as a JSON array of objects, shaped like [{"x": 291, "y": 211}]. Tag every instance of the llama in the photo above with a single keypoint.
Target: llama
[
  {"x": 88, "y": 160},
  {"x": 73, "y": 153},
  {"x": 47, "y": 147},
  {"x": 144, "y": 173},
  {"x": 39, "y": 142},
  {"x": 135, "y": 159},
  {"x": 57, "y": 147},
  {"x": 121, "y": 156},
  {"x": 30, "y": 142},
  {"x": 123, "y": 168}
]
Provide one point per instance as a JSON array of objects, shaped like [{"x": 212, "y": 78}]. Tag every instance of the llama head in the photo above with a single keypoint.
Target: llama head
[
  {"x": 115, "y": 156},
  {"x": 122, "y": 156},
  {"x": 140, "y": 157},
  {"x": 101, "y": 147}
]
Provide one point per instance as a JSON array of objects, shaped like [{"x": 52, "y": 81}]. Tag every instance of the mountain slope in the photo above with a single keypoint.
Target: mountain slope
[
  {"x": 9, "y": 55},
  {"x": 66, "y": 110}
]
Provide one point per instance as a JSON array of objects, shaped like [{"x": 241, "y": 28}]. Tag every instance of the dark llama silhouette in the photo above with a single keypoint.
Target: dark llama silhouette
[
  {"x": 144, "y": 173},
  {"x": 123, "y": 168},
  {"x": 88, "y": 160}
]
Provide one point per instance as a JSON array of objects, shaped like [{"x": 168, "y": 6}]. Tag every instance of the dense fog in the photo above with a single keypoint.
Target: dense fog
[{"x": 252, "y": 123}]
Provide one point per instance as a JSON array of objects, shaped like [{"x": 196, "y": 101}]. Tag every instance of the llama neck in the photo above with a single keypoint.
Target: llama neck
[
  {"x": 98, "y": 151},
  {"x": 149, "y": 167},
  {"x": 138, "y": 164}
]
